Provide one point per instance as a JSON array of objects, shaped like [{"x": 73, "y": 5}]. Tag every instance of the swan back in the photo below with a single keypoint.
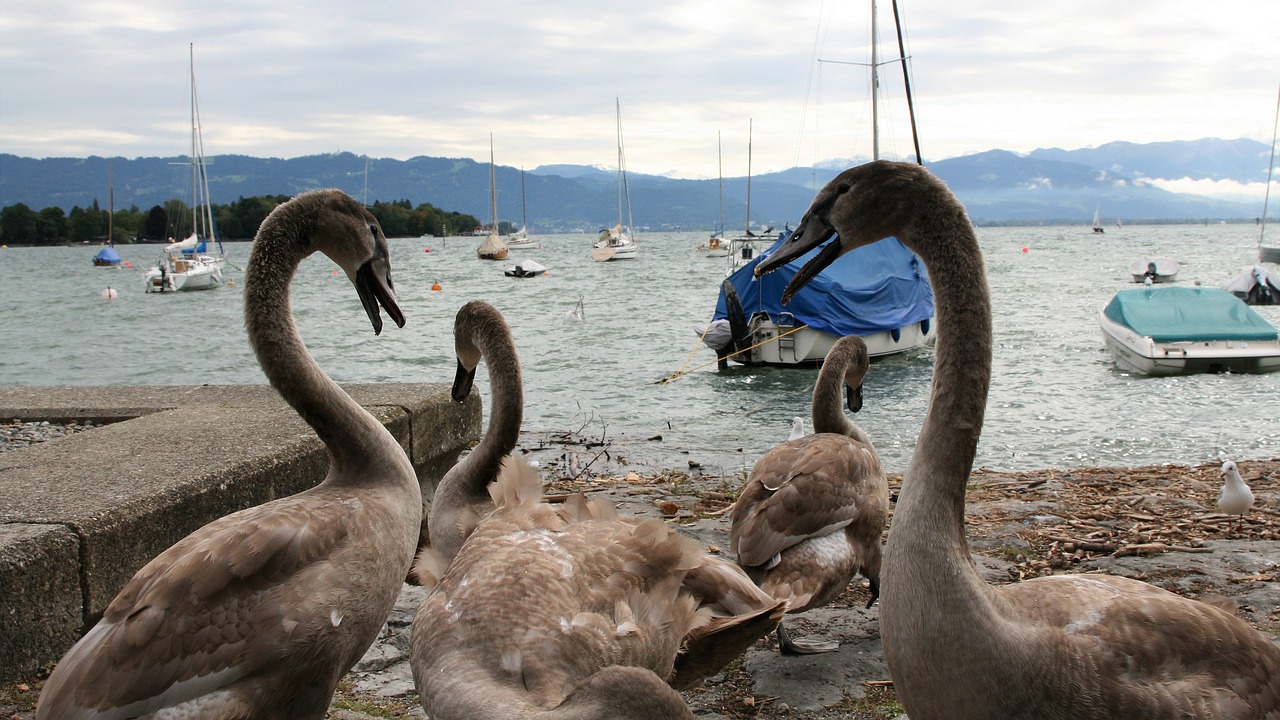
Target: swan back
[
  {"x": 462, "y": 498},
  {"x": 259, "y": 613},
  {"x": 541, "y": 597}
]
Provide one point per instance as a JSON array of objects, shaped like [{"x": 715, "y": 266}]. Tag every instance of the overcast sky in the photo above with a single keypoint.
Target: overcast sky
[{"x": 399, "y": 79}]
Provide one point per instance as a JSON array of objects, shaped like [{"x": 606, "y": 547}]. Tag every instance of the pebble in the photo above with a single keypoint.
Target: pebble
[{"x": 18, "y": 434}]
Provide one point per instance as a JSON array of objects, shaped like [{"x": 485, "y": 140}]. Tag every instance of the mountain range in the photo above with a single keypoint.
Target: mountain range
[{"x": 1044, "y": 186}]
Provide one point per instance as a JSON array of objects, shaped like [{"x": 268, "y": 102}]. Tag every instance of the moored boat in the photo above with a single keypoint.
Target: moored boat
[
  {"x": 617, "y": 243},
  {"x": 1186, "y": 330},
  {"x": 1158, "y": 270}
]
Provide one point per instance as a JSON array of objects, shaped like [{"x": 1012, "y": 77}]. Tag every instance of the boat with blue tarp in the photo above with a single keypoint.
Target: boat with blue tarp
[
  {"x": 1186, "y": 330},
  {"x": 879, "y": 292},
  {"x": 107, "y": 257}
]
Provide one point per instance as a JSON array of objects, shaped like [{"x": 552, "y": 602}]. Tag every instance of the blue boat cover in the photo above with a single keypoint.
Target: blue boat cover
[
  {"x": 875, "y": 288},
  {"x": 107, "y": 255},
  {"x": 1190, "y": 314}
]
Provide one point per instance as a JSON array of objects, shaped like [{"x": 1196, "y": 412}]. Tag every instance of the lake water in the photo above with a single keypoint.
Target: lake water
[{"x": 1056, "y": 398}]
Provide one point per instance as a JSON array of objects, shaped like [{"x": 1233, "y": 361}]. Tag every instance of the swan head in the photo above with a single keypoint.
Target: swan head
[
  {"x": 852, "y": 351},
  {"x": 859, "y": 206},
  {"x": 472, "y": 323},
  {"x": 350, "y": 235}
]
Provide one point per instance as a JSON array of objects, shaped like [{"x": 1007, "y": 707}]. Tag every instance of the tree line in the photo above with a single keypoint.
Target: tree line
[{"x": 20, "y": 225}]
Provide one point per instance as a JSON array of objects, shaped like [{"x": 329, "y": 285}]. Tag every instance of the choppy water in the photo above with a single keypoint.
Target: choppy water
[{"x": 1056, "y": 398}]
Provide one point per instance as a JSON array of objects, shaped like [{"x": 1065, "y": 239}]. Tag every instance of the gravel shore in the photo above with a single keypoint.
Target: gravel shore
[{"x": 16, "y": 434}]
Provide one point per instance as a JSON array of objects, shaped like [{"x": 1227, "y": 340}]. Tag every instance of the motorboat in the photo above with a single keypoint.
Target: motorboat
[
  {"x": 1158, "y": 270},
  {"x": 525, "y": 269},
  {"x": 1258, "y": 286},
  {"x": 1185, "y": 330}
]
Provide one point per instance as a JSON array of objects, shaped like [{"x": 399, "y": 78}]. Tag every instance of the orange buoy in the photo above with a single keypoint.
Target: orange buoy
[
  {"x": 1024, "y": 248},
  {"x": 426, "y": 249},
  {"x": 436, "y": 286}
]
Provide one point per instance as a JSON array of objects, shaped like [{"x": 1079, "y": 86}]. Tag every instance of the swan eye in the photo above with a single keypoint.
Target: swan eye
[
  {"x": 373, "y": 230},
  {"x": 842, "y": 188}
]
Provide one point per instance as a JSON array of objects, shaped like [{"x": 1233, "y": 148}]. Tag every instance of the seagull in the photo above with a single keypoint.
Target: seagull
[
  {"x": 797, "y": 428},
  {"x": 1235, "y": 498}
]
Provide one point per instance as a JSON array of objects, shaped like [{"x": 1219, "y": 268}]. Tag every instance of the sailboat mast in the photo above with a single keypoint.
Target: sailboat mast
[
  {"x": 875, "y": 86},
  {"x": 749, "y": 176},
  {"x": 720, "y": 171},
  {"x": 195, "y": 168},
  {"x": 1271, "y": 166},
  {"x": 493, "y": 188},
  {"x": 906, "y": 82},
  {"x": 618, "y": 123},
  {"x": 524, "y": 209},
  {"x": 111, "y": 208}
]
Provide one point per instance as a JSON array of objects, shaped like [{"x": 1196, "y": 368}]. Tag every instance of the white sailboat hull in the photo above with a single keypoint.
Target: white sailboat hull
[{"x": 179, "y": 275}]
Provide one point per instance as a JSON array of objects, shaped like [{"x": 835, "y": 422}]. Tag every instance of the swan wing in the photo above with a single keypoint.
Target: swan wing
[
  {"x": 803, "y": 489},
  {"x": 1153, "y": 649},
  {"x": 207, "y": 612}
]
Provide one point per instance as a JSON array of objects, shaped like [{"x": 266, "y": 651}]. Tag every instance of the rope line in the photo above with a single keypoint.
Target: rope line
[{"x": 681, "y": 372}]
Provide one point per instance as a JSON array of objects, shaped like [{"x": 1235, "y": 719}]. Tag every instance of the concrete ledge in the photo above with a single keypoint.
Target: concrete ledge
[{"x": 98, "y": 505}]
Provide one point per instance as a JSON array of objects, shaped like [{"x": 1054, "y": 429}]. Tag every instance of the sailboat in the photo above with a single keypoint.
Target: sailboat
[
  {"x": 520, "y": 240},
  {"x": 716, "y": 246},
  {"x": 188, "y": 264},
  {"x": 744, "y": 248},
  {"x": 882, "y": 295},
  {"x": 493, "y": 247},
  {"x": 617, "y": 243},
  {"x": 107, "y": 256},
  {"x": 1269, "y": 253},
  {"x": 1097, "y": 221}
]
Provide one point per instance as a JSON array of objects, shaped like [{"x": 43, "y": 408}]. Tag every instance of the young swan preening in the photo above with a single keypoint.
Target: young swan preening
[
  {"x": 569, "y": 611},
  {"x": 462, "y": 496},
  {"x": 1066, "y": 646},
  {"x": 259, "y": 613},
  {"x": 813, "y": 512}
]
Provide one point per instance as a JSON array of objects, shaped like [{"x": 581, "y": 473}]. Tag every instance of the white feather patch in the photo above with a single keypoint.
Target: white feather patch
[
  {"x": 512, "y": 661},
  {"x": 335, "y": 617}
]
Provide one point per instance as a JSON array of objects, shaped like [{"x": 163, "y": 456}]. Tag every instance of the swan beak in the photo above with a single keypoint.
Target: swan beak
[
  {"x": 373, "y": 284},
  {"x": 462, "y": 381},
  {"x": 853, "y": 398},
  {"x": 812, "y": 231}
]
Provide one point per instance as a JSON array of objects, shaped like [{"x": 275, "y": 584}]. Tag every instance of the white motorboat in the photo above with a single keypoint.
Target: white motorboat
[
  {"x": 1158, "y": 270},
  {"x": 1257, "y": 286},
  {"x": 525, "y": 269},
  {"x": 1185, "y": 330}
]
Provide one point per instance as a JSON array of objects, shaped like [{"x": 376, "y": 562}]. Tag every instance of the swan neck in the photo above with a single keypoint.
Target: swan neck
[
  {"x": 347, "y": 430},
  {"x": 828, "y": 407},
  {"x": 468, "y": 480}
]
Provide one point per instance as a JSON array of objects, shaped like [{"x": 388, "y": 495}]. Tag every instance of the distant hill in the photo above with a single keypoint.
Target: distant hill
[{"x": 1047, "y": 185}]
